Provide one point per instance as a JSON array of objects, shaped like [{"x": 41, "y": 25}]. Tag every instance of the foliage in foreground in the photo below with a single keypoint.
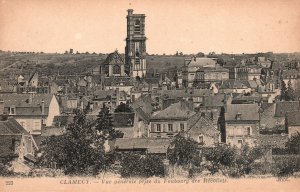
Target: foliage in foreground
[
  {"x": 137, "y": 165},
  {"x": 81, "y": 150}
]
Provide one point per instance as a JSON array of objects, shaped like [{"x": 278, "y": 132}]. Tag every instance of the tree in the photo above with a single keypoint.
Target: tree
[
  {"x": 4, "y": 167},
  {"x": 139, "y": 165},
  {"x": 283, "y": 91},
  {"x": 221, "y": 61},
  {"x": 293, "y": 144},
  {"x": 290, "y": 93},
  {"x": 182, "y": 151},
  {"x": 104, "y": 125},
  {"x": 221, "y": 123},
  {"x": 200, "y": 54},
  {"x": 79, "y": 151},
  {"x": 123, "y": 108},
  {"x": 231, "y": 160}
]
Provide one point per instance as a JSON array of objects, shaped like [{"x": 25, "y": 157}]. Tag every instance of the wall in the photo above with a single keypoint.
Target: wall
[{"x": 236, "y": 132}]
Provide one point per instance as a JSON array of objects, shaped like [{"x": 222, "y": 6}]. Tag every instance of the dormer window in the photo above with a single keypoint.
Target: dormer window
[
  {"x": 238, "y": 116},
  {"x": 12, "y": 110}
]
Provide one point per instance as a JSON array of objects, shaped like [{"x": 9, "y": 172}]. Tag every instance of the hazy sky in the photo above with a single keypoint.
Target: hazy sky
[{"x": 171, "y": 25}]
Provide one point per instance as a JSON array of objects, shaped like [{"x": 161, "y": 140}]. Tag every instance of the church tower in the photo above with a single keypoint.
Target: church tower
[{"x": 135, "y": 50}]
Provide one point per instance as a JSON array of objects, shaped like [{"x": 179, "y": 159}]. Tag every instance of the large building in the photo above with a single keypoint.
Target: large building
[{"x": 135, "y": 50}]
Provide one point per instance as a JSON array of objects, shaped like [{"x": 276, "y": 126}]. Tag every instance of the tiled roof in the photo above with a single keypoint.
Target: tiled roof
[
  {"x": 246, "y": 112},
  {"x": 113, "y": 58},
  {"x": 185, "y": 93},
  {"x": 11, "y": 127},
  {"x": 10, "y": 130},
  {"x": 145, "y": 103},
  {"x": 201, "y": 62},
  {"x": 198, "y": 124},
  {"x": 293, "y": 118},
  {"x": 142, "y": 114},
  {"x": 179, "y": 110},
  {"x": 232, "y": 84},
  {"x": 287, "y": 73},
  {"x": 101, "y": 94},
  {"x": 153, "y": 145},
  {"x": 117, "y": 81},
  {"x": 214, "y": 100},
  {"x": 285, "y": 106},
  {"x": 22, "y": 100}
]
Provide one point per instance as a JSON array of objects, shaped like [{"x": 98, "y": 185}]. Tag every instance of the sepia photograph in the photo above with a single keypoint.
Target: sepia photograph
[{"x": 141, "y": 95}]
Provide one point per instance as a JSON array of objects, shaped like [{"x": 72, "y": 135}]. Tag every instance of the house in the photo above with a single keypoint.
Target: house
[
  {"x": 32, "y": 111},
  {"x": 247, "y": 72},
  {"x": 291, "y": 75},
  {"x": 263, "y": 62},
  {"x": 170, "y": 121},
  {"x": 195, "y": 96},
  {"x": 214, "y": 74},
  {"x": 293, "y": 123},
  {"x": 143, "y": 145},
  {"x": 235, "y": 86},
  {"x": 192, "y": 65},
  {"x": 202, "y": 130},
  {"x": 211, "y": 107},
  {"x": 273, "y": 115},
  {"x": 16, "y": 143},
  {"x": 242, "y": 124},
  {"x": 282, "y": 107}
]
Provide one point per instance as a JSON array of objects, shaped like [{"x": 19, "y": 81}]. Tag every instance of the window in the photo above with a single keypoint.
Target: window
[
  {"x": 248, "y": 130},
  {"x": 12, "y": 110},
  {"x": 181, "y": 127},
  {"x": 170, "y": 127},
  {"x": 158, "y": 128},
  {"x": 200, "y": 139}
]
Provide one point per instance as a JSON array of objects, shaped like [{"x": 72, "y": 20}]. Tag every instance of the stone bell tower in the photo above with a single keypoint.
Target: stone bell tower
[{"x": 135, "y": 50}]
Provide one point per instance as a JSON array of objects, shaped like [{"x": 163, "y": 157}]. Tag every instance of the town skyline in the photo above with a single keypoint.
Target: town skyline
[{"x": 224, "y": 28}]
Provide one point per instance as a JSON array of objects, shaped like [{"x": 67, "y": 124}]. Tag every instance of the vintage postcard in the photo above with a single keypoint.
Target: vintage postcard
[{"x": 152, "y": 95}]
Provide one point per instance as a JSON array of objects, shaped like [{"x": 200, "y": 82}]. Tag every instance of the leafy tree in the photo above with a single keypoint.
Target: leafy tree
[
  {"x": 283, "y": 90},
  {"x": 79, "y": 151},
  {"x": 104, "y": 125},
  {"x": 138, "y": 165},
  {"x": 221, "y": 61},
  {"x": 290, "y": 93},
  {"x": 293, "y": 144},
  {"x": 4, "y": 167},
  {"x": 231, "y": 160},
  {"x": 182, "y": 151},
  {"x": 200, "y": 54},
  {"x": 220, "y": 157},
  {"x": 123, "y": 108}
]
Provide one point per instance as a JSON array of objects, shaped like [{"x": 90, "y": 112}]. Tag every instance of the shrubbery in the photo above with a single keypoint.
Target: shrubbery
[{"x": 137, "y": 165}]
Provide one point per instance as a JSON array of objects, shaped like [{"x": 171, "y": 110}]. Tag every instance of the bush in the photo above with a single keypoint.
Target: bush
[
  {"x": 137, "y": 165},
  {"x": 232, "y": 161},
  {"x": 285, "y": 166}
]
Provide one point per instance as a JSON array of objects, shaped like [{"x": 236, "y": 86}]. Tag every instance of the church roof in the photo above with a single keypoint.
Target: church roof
[{"x": 114, "y": 58}]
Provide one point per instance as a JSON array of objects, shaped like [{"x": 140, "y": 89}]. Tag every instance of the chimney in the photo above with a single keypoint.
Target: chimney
[
  {"x": 43, "y": 107},
  {"x": 30, "y": 98},
  {"x": 130, "y": 11},
  {"x": 118, "y": 95}
]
